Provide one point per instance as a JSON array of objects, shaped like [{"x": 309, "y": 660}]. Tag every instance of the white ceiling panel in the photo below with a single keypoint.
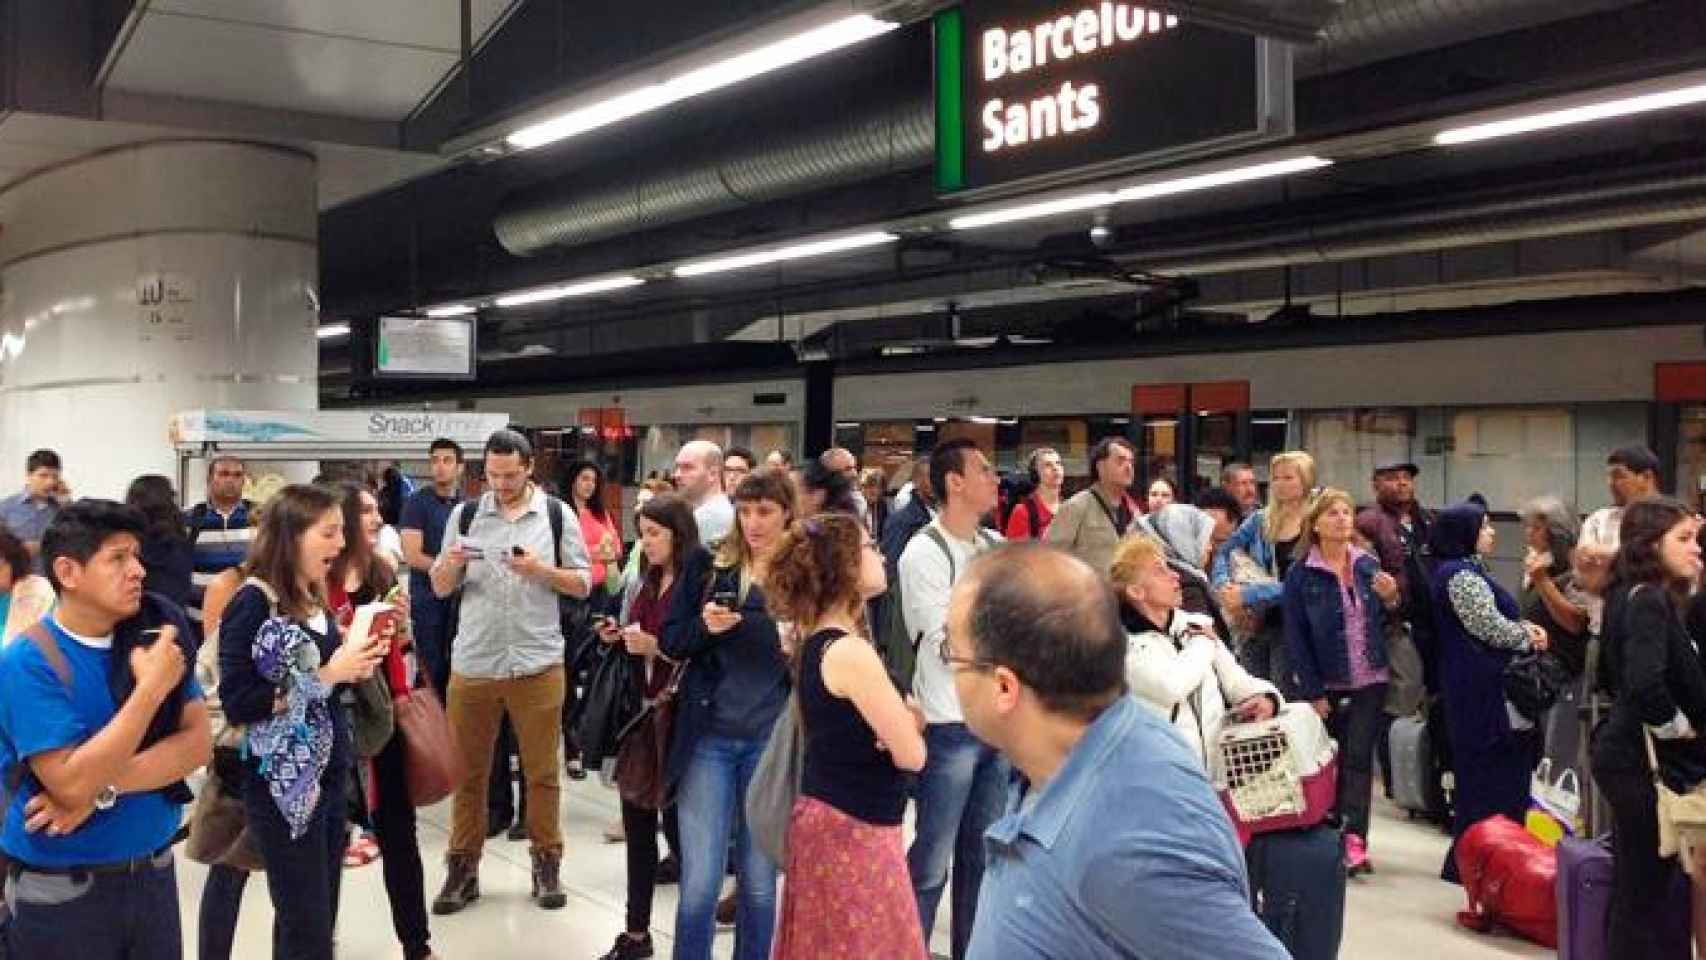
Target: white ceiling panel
[
  {"x": 434, "y": 24},
  {"x": 315, "y": 73}
]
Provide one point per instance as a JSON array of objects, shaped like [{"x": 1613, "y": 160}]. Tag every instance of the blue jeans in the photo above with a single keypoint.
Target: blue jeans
[
  {"x": 103, "y": 916},
  {"x": 962, "y": 790},
  {"x": 711, "y": 804}
]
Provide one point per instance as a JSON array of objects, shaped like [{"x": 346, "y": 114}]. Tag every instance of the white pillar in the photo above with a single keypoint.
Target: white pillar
[{"x": 148, "y": 279}]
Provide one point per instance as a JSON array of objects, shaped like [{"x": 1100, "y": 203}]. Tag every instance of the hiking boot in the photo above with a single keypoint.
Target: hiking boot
[
  {"x": 517, "y": 831},
  {"x": 461, "y": 885},
  {"x": 1356, "y": 856},
  {"x": 547, "y": 884}
]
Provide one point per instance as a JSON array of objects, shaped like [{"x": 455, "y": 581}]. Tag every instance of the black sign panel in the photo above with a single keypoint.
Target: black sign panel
[{"x": 1028, "y": 89}]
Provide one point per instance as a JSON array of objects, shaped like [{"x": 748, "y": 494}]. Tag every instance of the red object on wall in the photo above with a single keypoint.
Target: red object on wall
[
  {"x": 1679, "y": 382},
  {"x": 1158, "y": 399},
  {"x": 1228, "y": 396}
]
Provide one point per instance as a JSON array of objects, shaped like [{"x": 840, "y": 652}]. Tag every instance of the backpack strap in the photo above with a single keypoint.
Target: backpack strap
[
  {"x": 936, "y": 537},
  {"x": 554, "y": 510},
  {"x": 198, "y": 514},
  {"x": 266, "y": 590},
  {"x": 42, "y": 639}
]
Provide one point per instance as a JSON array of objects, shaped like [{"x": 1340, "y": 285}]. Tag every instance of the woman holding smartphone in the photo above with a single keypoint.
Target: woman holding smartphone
[
  {"x": 735, "y": 686},
  {"x": 669, "y": 539},
  {"x": 363, "y": 575},
  {"x": 280, "y": 669}
]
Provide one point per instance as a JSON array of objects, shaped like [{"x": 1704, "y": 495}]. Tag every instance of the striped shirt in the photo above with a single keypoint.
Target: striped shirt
[{"x": 221, "y": 542}]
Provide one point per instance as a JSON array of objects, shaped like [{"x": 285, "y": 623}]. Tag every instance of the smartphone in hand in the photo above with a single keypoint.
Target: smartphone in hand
[
  {"x": 472, "y": 548},
  {"x": 727, "y": 599}
]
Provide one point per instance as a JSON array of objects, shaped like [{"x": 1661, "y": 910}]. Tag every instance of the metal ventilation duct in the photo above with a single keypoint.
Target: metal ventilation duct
[
  {"x": 1369, "y": 31},
  {"x": 884, "y": 138},
  {"x": 1648, "y": 201}
]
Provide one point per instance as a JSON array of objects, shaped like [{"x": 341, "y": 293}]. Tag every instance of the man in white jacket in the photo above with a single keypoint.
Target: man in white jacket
[{"x": 1175, "y": 664}]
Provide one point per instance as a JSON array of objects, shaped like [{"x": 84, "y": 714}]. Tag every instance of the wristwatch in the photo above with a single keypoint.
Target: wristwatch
[{"x": 107, "y": 798}]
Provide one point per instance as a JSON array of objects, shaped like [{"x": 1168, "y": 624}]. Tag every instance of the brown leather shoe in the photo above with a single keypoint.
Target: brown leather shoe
[
  {"x": 461, "y": 885},
  {"x": 727, "y": 908},
  {"x": 547, "y": 884}
]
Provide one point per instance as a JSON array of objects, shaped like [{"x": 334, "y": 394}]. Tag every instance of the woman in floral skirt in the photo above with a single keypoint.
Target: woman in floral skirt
[{"x": 847, "y": 892}]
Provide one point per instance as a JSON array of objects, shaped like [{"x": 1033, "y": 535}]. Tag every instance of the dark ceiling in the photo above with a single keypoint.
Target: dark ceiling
[{"x": 432, "y": 240}]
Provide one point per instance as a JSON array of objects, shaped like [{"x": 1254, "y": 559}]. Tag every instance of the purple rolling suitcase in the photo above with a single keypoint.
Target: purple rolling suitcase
[{"x": 1584, "y": 901}]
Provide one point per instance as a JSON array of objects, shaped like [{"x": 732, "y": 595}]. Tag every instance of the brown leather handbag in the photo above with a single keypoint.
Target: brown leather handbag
[
  {"x": 642, "y": 756},
  {"x": 432, "y": 763}
]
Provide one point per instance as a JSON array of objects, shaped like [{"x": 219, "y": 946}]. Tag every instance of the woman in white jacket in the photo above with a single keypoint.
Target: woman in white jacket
[{"x": 1175, "y": 664}]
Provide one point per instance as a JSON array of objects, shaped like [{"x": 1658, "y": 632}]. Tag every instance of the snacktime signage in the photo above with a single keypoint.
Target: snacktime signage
[{"x": 1038, "y": 91}]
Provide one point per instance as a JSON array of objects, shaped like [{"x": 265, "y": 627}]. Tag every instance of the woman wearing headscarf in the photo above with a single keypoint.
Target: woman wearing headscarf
[
  {"x": 1187, "y": 535},
  {"x": 1480, "y": 631}
]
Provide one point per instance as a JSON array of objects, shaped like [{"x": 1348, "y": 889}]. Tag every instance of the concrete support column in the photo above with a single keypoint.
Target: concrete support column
[{"x": 148, "y": 279}]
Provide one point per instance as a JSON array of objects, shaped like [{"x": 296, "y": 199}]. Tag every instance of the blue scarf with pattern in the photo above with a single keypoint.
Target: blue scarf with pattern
[{"x": 295, "y": 745}]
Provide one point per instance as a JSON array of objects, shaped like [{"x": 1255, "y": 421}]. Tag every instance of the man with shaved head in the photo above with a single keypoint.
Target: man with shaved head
[
  {"x": 1037, "y": 653},
  {"x": 842, "y": 461},
  {"x": 699, "y": 478}
]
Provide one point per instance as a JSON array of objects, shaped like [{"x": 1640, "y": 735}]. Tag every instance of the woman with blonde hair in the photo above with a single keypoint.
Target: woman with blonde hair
[
  {"x": 1251, "y": 566},
  {"x": 1336, "y": 603},
  {"x": 1175, "y": 663}
]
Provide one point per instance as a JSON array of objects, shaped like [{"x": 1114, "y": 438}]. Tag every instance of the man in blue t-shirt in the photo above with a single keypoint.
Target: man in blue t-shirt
[
  {"x": 99, "y": 724},
  {"x": 422, "y": 527}
]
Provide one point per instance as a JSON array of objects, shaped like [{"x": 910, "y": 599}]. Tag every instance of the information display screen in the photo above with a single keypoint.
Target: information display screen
[
  {"x": 425, "y": 348},
  {"x": 1028, "y": 90}
]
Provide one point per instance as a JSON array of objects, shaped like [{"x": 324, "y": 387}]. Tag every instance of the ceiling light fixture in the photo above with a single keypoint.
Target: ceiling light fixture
[
  {"x": 1138, "y": 192},
  {"x": 450, "y": 310},
  {"x": 715, "y": 76},
  {"x": 332, "y": 331},
  {"x": 1569, "y": 116},
  {"x": 547, "y": 294},
  {"x": 798, "y": 251}
]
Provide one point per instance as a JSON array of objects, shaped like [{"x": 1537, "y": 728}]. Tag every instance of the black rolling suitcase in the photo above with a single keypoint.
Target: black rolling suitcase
[{"x": 1297, "y": 887}]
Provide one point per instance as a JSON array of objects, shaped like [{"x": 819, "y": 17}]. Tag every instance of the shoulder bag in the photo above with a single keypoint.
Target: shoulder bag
[
  {"x": 643, "y": 753},
  {"x": 775, "y": 784}
]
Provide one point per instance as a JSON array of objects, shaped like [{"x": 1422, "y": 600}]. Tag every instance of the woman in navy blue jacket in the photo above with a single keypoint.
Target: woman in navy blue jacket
[
  {"x": 1479, "y": 630},
  {"x": 1336, "y": 603},
  {"x": 735, "y": 686}
]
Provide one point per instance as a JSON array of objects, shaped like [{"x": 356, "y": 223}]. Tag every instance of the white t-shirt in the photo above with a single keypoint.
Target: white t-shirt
[
  {"x": 715, "y": 517},
  {"x": 1601, "y": 533},
  {"x": 925, "y": 584}
]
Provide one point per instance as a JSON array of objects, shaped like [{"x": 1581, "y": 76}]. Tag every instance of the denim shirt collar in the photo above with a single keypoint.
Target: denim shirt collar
[{"x": 1047, "y": 818}]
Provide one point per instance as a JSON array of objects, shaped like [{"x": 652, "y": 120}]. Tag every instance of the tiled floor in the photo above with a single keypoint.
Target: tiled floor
[{"x": 1402, "y": 911}]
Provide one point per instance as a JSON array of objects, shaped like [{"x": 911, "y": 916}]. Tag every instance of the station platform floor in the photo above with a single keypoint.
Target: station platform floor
[{"x": 1401, "y": 911}]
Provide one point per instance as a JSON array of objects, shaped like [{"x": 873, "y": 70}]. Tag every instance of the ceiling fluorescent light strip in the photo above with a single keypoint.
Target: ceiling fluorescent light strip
[
  {"x": 606, "y": 285},
  {"x": 332, "y": 330},
  {"x": 693, "y": 83},
  {"x": 450, "y": 310},
  {"x": 1551, "y": 119},
  {"x": 799, "y": 251},
  {"x": 1143, "y": 191}
]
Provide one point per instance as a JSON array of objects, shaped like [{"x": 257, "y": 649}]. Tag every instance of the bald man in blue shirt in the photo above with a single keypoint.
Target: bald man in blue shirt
[{"x": 1113, "y": 843}]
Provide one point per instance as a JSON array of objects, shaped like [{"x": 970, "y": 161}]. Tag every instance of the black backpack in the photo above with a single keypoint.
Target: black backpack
[{"x": 895, "y": 642}]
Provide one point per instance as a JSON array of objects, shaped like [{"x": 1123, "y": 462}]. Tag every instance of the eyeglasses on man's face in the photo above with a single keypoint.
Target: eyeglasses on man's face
[{"x": 952, "y": 661}]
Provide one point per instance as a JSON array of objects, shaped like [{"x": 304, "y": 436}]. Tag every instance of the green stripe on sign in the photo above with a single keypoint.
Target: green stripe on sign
[{"x": 950, "y": 116}]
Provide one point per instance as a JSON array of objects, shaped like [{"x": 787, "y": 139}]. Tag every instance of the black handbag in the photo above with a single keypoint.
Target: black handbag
[
  {"x": 611, "y": 700},
  {"x": 1533, "y": 683}
]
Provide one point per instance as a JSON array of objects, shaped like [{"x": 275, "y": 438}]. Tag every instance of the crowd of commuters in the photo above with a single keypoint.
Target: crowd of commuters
[{"x": 1073, "y": 658}]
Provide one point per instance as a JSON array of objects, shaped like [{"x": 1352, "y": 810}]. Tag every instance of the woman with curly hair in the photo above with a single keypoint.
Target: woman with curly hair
[{"x": 848, "y": 892}]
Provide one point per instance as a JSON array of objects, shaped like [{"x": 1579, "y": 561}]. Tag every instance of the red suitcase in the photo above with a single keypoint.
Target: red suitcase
[{"x": 1511, "y": 880}]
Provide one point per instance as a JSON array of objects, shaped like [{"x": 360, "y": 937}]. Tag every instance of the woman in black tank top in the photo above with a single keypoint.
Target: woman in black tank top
[{"x": 848, "y": 891}]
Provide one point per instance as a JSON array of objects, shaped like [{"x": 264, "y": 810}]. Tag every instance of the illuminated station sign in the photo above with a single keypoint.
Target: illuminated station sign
[{"x": 1033, "y": 91}]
